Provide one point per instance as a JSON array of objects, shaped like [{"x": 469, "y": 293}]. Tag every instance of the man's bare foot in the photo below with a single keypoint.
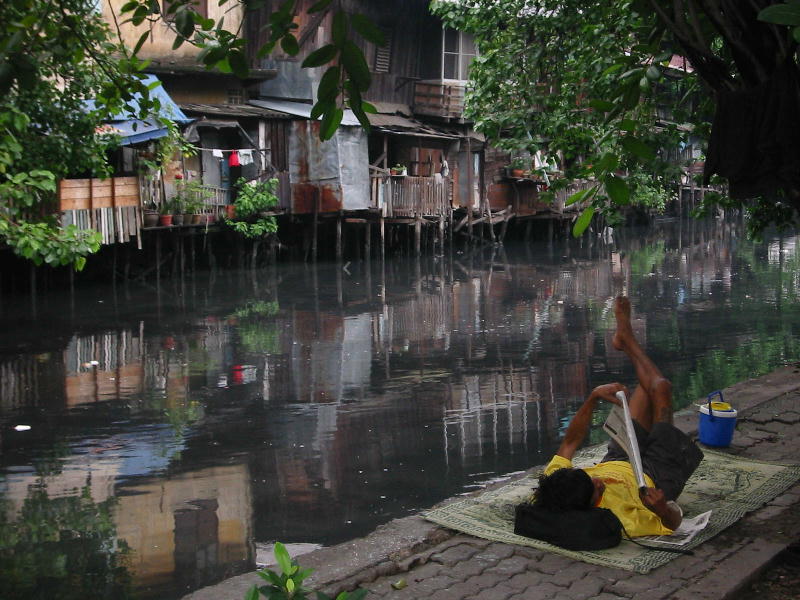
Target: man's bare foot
[{"x": 624, "y": 333}]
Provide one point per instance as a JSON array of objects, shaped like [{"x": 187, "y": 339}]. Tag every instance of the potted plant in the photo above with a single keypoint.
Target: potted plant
[
  {"x": 165, "y": 214},
  {"x": 150, "y": 216},
  {"x": 191, "y": 195},
  {"x": 178, "y": 210},
  {"x": 398, "y": 170},
  {"x": 518, "y": 166}
]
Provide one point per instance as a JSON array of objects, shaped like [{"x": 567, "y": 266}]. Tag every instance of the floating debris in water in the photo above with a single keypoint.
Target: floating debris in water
[{"x": 22, "y": 427}]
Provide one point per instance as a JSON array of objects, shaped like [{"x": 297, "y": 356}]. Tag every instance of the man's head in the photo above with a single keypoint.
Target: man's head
[{"x": 567, "y": 489}]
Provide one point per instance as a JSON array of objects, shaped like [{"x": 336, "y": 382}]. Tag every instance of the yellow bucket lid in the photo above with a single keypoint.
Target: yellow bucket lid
[{"x": 719, "y": 406}]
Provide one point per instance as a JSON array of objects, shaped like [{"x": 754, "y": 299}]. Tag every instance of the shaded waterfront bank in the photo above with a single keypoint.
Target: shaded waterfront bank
[{"x": 210, "y": 415}]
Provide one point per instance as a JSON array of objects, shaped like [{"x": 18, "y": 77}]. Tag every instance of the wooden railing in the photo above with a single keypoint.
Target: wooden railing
[
  {"x": 439, "y": 99},
  {"x": 404, "y": 196},
  {"x": 561, "y": 196}
]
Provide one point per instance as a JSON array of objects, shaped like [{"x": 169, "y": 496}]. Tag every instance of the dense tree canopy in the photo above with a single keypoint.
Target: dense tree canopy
[{"x": 585, "y": 77}]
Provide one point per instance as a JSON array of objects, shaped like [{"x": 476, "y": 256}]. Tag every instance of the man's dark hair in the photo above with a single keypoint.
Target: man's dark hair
[{"x": 565, "y": 489}]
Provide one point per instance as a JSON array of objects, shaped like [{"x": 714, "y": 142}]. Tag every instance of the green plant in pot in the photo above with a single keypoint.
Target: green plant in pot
[
  {"x": 254, "y": 198},
  {"x": 165, "y": 213},
  {"x": 193, "y": 197},
  {"x": 399, "y": 169},
  {"x": 519, "y": 166}
]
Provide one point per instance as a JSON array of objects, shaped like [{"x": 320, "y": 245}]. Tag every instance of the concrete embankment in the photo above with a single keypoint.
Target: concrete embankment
[{"x": 440, "y": 564}]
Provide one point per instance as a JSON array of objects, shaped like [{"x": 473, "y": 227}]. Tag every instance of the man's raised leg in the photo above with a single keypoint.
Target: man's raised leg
[{"x": 651, "y": 402}]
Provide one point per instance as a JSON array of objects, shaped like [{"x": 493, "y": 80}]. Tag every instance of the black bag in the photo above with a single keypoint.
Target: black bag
[{"x": 592, "y": 529}]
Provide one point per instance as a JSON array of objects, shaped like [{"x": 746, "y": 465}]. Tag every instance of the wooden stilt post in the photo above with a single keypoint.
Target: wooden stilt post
[
  {"x": 368, "y": 241},
  {"x": 158, "y": 255},
  {"x": 339, "y": 236},
  {"x": 314, "y": 228},
  {"x": 469, "y": 189},
  {"x": 382, "y": 227},
  {"x": 417, "y": 235}
]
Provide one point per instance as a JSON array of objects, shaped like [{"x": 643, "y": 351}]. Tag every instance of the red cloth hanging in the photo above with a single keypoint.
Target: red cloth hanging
[{"x": 233, "y": 161}]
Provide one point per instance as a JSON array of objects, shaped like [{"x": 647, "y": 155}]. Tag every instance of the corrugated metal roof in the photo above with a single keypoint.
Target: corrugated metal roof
[
  {"x": 232, "y": 110},
  {"x": 299, "y": 109}
]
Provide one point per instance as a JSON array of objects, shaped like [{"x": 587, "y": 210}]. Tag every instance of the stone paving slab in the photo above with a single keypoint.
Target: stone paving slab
[{"x": 438, "y": 564}]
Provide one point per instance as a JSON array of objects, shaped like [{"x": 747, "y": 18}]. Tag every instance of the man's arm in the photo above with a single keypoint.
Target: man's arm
[
  {"x": 579, "y": 426},
  {"x": 669, "y": 513}
]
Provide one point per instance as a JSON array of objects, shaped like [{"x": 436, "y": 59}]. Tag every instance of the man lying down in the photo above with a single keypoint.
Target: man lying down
[{"x": 564, "y": 500}]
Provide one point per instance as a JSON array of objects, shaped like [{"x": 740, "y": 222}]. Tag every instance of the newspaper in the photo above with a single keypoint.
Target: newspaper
[
  {"x": 619, "y": 426},
  {"x": 684, "y": 533}
]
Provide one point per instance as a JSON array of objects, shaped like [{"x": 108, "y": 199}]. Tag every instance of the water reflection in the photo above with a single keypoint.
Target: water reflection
[{"x": 193, "y": 421}]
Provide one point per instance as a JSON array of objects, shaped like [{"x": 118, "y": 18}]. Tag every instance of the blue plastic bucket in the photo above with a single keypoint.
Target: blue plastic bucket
[{"x": 717, "y": 422}]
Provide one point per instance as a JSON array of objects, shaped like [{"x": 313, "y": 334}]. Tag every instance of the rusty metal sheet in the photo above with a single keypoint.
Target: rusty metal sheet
[{"x": 336, "y": 169}]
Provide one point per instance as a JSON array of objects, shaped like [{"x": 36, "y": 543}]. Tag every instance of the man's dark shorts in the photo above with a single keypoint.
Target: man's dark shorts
[{"x": 668, "y": 456}]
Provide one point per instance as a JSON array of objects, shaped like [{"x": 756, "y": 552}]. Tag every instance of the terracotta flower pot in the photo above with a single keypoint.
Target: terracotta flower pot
[
  {"x": 230, "y": 211},
  {"x": 165, "y": 220}
]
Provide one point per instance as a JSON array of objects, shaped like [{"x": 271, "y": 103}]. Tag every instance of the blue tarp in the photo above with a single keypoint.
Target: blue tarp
[{"x": 136, "y": 131}]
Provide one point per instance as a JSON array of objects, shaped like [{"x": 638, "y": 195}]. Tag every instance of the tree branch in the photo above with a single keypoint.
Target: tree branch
[
  {"x": 754, "y": 72},
  {"x": 712, "y": 69}
]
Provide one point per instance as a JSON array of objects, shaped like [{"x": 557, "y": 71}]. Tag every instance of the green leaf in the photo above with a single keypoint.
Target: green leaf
[
  {"x": 320, "y": 56},
  {"x": 367, "y": 29},
  {"x": 579, "y": 196},
  {"x": 142, "y": 40},
  {"x": 583, "y": 221},
  {"x": 282, "y": 557},
  {"x": 252, "y": 593},
  {"x": 358, "y": 111},
  {"x": 638, "y": 148},
  {"x": 80, "y": 262},
  {"x": 238, "y": 63},
  {"x": 628, "y": 125},
  {"x": 606, "y": 164},
  {"x": 601, "y": 105},
  {"x": 369, "y": 108},
  {"x": 355, "y": 64},
  {"x": 796, "y": 34},
  {"x": 358, "y": 594},
  {"x": 129, "y": 6},
  {"x": 630, "y": 96},
  {"x": 321, "y": 107},
  {"x": 290, "y": 586},
  {"x": 179, "y": 39},
  {"x": 184, "y": 23},
  {"x": 781, "y": 14},
  {"x": 617, "y": 190},
  {"x": 330, "y": 123},
  {"x": 339, "y": 28},
  {"x": 289, "y": 44},
  {"x": 328, "y": 88}
]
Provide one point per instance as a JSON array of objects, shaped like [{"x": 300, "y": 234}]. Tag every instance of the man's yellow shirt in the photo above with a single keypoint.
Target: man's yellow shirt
[{"x": 621, "y": 495}]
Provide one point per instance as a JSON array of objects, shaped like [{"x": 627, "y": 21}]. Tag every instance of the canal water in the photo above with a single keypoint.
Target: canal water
[{"x": 156, "y": 436}]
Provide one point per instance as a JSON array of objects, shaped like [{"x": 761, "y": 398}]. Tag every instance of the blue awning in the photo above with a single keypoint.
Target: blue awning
[{"x": 136, "y": 131}]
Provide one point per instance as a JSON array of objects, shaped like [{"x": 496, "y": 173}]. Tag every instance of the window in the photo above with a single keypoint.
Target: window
[
  {"x": 458, "y": 50},
  {"x": 237, "y": 96},
  {"x": 383, "y": 54}
]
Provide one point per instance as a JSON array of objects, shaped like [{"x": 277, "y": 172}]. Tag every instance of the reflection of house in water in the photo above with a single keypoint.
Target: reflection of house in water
[
  {"x": 482, "y": 408},
  {"x": 184, "y": 530},
  {"x": 188, "y": 530},
  {"x": 106, "y": 366}
]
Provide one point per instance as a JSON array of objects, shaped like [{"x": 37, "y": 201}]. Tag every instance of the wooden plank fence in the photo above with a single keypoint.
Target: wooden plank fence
[
  {"x": 111, "y": 206},
  {"x": 404, "y": 196}
]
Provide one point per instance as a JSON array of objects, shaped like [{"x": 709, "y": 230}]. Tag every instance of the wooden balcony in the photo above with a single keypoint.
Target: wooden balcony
[
  {"x": 410, "y": 197},
  {"x": 439, "y": 99}
]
